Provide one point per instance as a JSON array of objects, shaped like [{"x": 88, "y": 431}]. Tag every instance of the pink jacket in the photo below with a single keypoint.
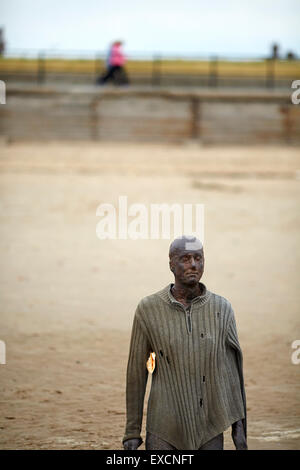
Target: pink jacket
[{"x": 116, "y": 56}]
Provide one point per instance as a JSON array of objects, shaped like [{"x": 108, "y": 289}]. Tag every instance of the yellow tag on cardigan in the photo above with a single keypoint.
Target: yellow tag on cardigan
[{"x": 151, "y": 363}]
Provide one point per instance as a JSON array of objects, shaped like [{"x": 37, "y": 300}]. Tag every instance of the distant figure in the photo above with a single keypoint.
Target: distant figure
[
  {"x": 2, "y": 42},
  {"x": 291, "y": 55},
  {"x": 115, "y": 66},
  {"x": 275, "y": 54}
]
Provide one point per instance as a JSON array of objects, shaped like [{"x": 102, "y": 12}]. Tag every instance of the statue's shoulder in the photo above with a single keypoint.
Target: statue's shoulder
[
  {"x": 221, "y": 303},
  {"x": 154, "y": 299}
]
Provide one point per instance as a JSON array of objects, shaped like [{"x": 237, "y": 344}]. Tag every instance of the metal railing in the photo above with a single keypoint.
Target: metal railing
[{"x": 157, "y": 69}]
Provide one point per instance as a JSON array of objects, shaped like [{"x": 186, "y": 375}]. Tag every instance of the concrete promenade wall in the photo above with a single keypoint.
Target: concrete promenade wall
[{"x": 149, "y": 115}]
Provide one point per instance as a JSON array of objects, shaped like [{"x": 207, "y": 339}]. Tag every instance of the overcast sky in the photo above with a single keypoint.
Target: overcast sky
[{"x": 203, "y": 27}]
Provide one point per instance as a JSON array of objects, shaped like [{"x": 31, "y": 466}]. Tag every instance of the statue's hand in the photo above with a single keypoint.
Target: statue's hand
[
  {"x": 132, "y": 444},
  {"x": 238, "y": 436}
]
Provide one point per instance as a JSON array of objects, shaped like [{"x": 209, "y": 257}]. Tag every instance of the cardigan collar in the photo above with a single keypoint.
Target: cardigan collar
[{"x": 168, "y": 297}]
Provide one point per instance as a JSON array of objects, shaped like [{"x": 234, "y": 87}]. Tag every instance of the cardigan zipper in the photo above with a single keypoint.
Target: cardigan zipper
[
  {"x": 188, "y": 316},
  {"x": 189, "y": 319}
]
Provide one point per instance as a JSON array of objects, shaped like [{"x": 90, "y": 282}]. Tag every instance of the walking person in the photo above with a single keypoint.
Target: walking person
[{"x": 115, "y": 66}]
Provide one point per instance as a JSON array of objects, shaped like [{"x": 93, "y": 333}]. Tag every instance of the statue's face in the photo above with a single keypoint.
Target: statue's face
[{"x": 187, "y": 266}]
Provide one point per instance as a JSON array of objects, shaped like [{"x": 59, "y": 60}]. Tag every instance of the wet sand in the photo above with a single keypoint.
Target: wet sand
[{"x": 68, "y": 298}]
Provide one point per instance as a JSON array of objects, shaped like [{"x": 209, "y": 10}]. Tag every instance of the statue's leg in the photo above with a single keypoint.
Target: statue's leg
[
  {"x": 216, "y": 443},
  {"x": 156, "y": 443}
]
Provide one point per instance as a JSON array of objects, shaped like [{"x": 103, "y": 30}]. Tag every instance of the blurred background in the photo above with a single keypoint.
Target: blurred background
[
  {"x": 227, "y": 44},
  {"x": 168, "y": 103}
]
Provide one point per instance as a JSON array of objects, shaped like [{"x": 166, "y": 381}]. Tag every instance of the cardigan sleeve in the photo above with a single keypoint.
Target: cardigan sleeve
[
  {"x": 136, "y": 379},
  {"x": 232, "y": 335},
  {"x": 233, "y": 342}
]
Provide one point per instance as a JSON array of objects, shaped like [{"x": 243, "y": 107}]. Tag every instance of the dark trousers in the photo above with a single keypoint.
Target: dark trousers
[
  {"x": 115, "y": 74},
  {"x": 155, "y": 443}
]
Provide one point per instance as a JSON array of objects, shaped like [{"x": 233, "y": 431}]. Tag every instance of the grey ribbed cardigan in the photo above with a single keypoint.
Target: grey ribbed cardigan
[{"x": 197, "y": 388}]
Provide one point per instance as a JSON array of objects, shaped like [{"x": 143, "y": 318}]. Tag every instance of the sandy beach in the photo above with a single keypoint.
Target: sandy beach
[{"x": 68, "y": 298}]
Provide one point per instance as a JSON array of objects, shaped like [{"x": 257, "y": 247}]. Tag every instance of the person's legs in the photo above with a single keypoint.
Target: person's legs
[
  {"x": 156, "y": 443},
  {"x": 216, "y": 443},
  {"x": 120, "y": 76},
  {"x": 110, "y": 74},
  {"x": 123, "y": 77}
]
